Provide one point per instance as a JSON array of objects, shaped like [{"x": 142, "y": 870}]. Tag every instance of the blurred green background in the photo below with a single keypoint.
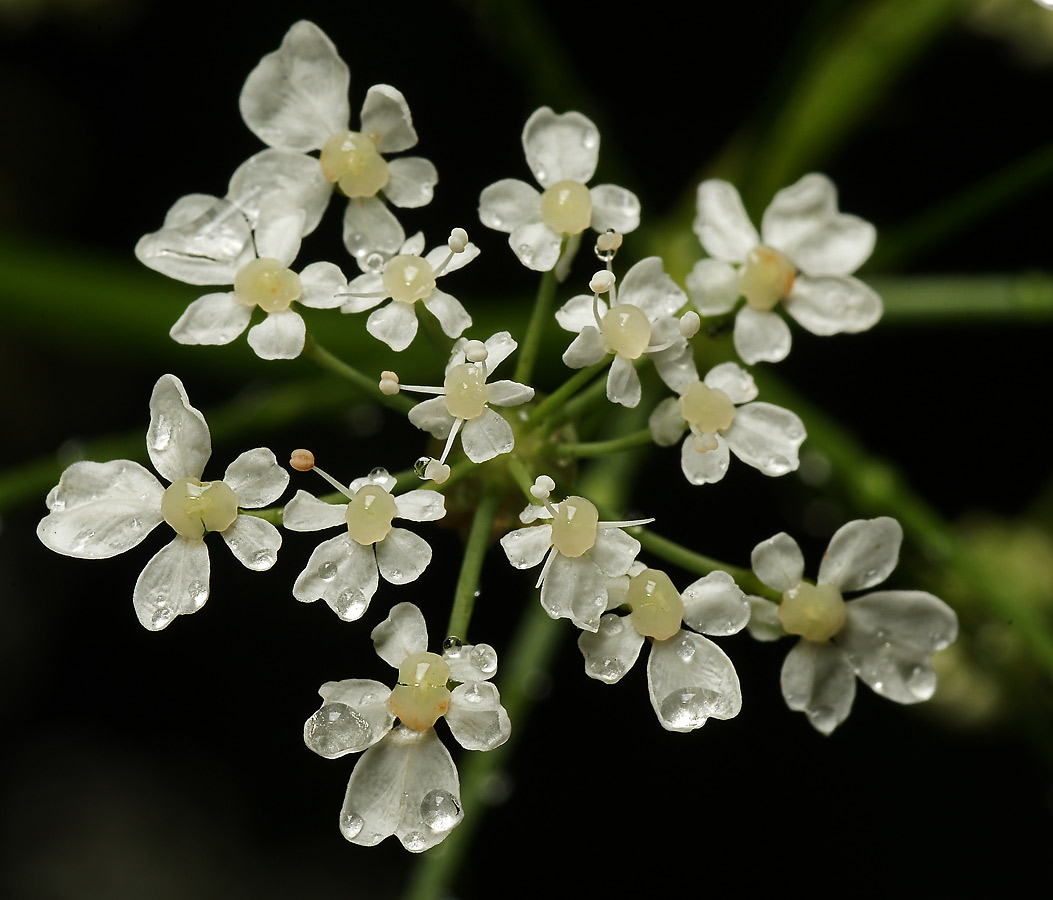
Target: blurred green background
[{"x": 171, "y": 765}]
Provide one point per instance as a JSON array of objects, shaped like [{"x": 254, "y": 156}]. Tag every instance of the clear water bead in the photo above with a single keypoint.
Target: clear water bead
[
  {"x": 484, "y": 658},
  {"x": 350, "y": 824},
  {"x": 336, "y": 729},
  {"x": 452, "y": 646},
  {"x": 420, "y": 467},
  {"x": 689, "y": 707},
  {"x": 440, "y": 811}
]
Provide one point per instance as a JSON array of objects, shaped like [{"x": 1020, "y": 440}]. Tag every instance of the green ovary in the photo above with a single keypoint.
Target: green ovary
[
  {"x": 408, "y": 278},
  {"x": 708, "y": 409},
  {"x": 627, "y": 330},
  {"x": 351, "y": 160},
  {"x": 657, "y": 608},
  {"x": 369, "y": 514},
  {"x": 766, "y": 277},
  {"x": 566, "y": 207},
  {"x": 193, "y": 507},
  {"x": 815, "y": 612},
  {"x": 575, "y": 526},
  {"x": 268, "y": 284},
  {"x": 466, "y": 394},
  {"x": 421, "y": 696}
]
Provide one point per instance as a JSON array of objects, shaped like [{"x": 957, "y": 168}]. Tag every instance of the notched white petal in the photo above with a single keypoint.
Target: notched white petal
[
  {"x": 817, "y": 679},
  {"x": 401, "y": 634},
  {"x": 476, "y": 717},
  {"x": 690, "y": 679},
  {"x": 612, "y": 650},
  {"x": 861, "y": 554},
  {"x": 174, "y": 583},
  {"x": 402, "y": 556},
  {"x": 355, "y": 714},
  {"x": 715, "y": 605},
  {"x": 254, "y": 542},
  {"x": 177, "y": 440},
  {"x": 341, "y": 572},
  {"x": 256, "y": 478},
  {"x": 778, "y": 562}
]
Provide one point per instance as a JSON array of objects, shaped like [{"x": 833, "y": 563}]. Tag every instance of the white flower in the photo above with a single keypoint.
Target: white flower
[
  {"x": 345, "y": 571},
  {"x": 465, "y": 398},
  {"x": 804, "y": 256},
  {"x": 720, "y": 417},
  {"x": 99, "y": 510},
  {"x": 562, "y": 152},
  {"x": 887, "y": 638},
  {"x": 580, "y": 554},
  {"x": 405, "y": 278},
  {"x": 406, "y": 783},
  {"x": 640, "y": 321},
  {"x": 689, "y": 678},
  {"x": 296, "y": 100}
]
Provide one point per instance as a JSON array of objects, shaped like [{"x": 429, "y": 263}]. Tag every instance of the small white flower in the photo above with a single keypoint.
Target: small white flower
[
  {"x": 640, "y": 321},
  {"x": 296, "y": 100},
  {"x": 406, "y": 783},
  {"x": 580, "y": 553},
  {"x": 405, "y": 278},
  {"x": 689, "y": 678},
  {"x": 887, "y": 638},
  {"x": 562, "y": 152},
  {"x": 345, "y": 571},
  {"x": 465, "y": 398},
  {"x": 804, "y": 256},
  {"x": 99, "y": 510},
  {"x": 719, "y": 416}
]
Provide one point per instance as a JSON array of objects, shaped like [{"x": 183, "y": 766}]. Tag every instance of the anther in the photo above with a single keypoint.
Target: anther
[
  {"x": 607, "y": 244},
  {"x": 602, "y": 282},
  {"x": 458, "y": 240},
  {"x": 475, "y": 351},
  {"x": 542, "y": 487},
  {"x": 690, "y": 323},
  {"x": 302, "y": 460},
  {"x": 389, "y": 382}
]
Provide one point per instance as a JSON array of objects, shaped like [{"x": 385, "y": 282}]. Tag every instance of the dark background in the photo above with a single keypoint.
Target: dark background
[{"x": 171, "y": 765}]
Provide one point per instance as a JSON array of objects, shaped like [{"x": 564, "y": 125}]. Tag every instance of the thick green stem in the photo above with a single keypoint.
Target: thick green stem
[
  {"x": 630, "y": 441},
  {"x": 472, "y": 564},
  {"x": 560, "y": 396},
  {"x": 371, "y": 386},
  {"x": 539, "y": 319}
]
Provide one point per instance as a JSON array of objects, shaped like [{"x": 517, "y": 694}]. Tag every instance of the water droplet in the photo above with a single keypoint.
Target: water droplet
[
  {"x": 452, "y": 646},
  {"x": 351, "y": 604},
  {"x": 161, "y": 433},
  {"x": 350, "y": 824},
  {"x": 440, "y": 811},
  {"x": 688, "y": 707},
  {"x": 326, "y": 571},
  {"x": 379, "y": 474},
  {"x": 526, "y": 253},
  {"x": 373, "y": 262},
  {"x": 610, "y": 668},
  {"x": 484, "y": 658},
  {"x": 198, "y": 594},
  {"x": 685, "y": 650},
  {"x": 262, "y": 560},
  {"x": 336, "y": 729},
  {"x": 420, "y": 466},
  {"x": 161, "y": 617}
]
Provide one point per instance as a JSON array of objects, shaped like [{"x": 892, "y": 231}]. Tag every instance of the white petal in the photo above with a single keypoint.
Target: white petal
[
  {"x": 402, "y": 556},
  {"x": 690, "y": 679},
  {"x": 386, "y": 119},
  {"x": 760, "y": 336},
  {"x": 296, "y": 177},
  {"x": 587, "y": 348},
  {"x": 254, "y": 542},
  {"x": 614, "y": 550},
  {"x": 452, "y": 316},
  {"x": 212, "y": 319},
  {"x": 648, "y": 286},
  {"x": 99, "y": 510},
  {"x": 577, "y": 313},
  {"x": 509, "y": 203},
  {"x": 401, "y": 634},
  {"x": 297, "y": 96},
  {"x": 395, "y": 324},
  {"x": 833, "y": 305},
  {"x": 536, "y": 246},
  {"x": 508, "y": 393},
  {"x": 341, "y": 572},
  {"x": 471, "y": 662},
  {"x": 705, "y": 467},
  {"x": 778, "y": 562},
  {"x": 721, "y": 222},
  {"x": 803, "y": 222},
  {"x": 307, "y": 513},
  {"x": 766, "y": 437},
  {"x": 364, "y": 292},
  {"x": 575, "y": 589},
  {"x": 612, "y": 650},
  {"x": 177, "y": 439},
  {"x": 280, "y": 336},
  {"x": 437, "y": 256},
  {"x": 526, "y": 547},
  {"x": 256, "y": 478},
  {"x": 889, "y": 638},
  {"x": 324, "y": 286},
  {"x": 667, "y": 422},
  {"x": 421, "y": 505},
  {"x": 433, "y": 417},
  {"x": 204, "y": 240},
  {"x": 487, "y": 436},
  {"x": 174, "y": 583},
  {"x": 733, "y": 380},
  {"x": 278, "y": 230},
  {"x": 715, "y": 605},
  {"x": 764, "y": 623},
  {"x": 817, "y": 679},
  {"x": 713, "y": 286},
  {"x": 370, "y": 227},
  {"x": 560, "y": 147},
  {"x": 614, "y": 207},
  {"x": 411, "y": 182},
  {"x": 499, "y": 346},
  {"x": 861, "y": 554},
  {"x": 476, "y": 718},
  {"x": 356, "y": 713},
  {"x": 404, "y": 785},
  {"x": 623, "y": 384}
]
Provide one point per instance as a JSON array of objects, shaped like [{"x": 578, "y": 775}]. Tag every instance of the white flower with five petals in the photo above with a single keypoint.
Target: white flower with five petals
[
  {"x": 886, "y": 638},
  {"x": 804, "y": 257},
  {"x": 406, "y": 783},
  {"x": 99, "y": 510},
  {"x": 562, "y": 152}
]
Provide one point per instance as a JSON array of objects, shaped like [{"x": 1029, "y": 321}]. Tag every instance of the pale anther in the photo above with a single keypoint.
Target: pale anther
[
  {"x": 302, "y": 460},
  {"x": 689, "y": 323},
  {"x": 475, "y": 351},
  {"x": 458, "y": 240},
  {"x": 602, "y": 282},
  {"x": 389, "y": 383}
]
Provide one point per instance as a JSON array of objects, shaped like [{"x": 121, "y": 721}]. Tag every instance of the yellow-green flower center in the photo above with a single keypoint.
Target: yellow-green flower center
[
  {"x": 421, "y": 696},
  {"x": 351, "y": 160},
  {"x": 566, "y": 207},
  {"x": 408, "y": 278},
  {"x": 369, "y": 514},
  {"x": 708, "y": 409},
  {"x": 626, "y": 329},
  {"x": 268, "y": 284},
  {"x": 657, "y": 607},
  {"x": 193, "y": 507},
  {"x": 574, "y": 527},
  {"x": 466, "y": 394},
  {"x": 766, "y": 277},
  {"x": 814, "y": 611}
]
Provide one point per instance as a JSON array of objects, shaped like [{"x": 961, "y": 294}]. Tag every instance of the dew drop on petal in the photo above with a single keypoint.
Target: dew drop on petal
[
  {"x": 452, "y": 646},
  {"x": 161, "y": 434},
  {"x": 373, "y": 262},
  {"x": 420, "y": 467},
  {"x": 484, "y": 658},
  {"x": 350, "y": 824},
  {"x": 198, "y": 594},
  {"x": 161, "y": 617},
  {"x": 336, "y": 728},
  {"x": 687, "y": 707},
  {"x": 685, "y": 650},
  {"x": 350, "y": 605},
  {"x": 379, "y": 474},
  {"x": 415, "y": 841},
  {"x": 326, "y": 571},
  {"x": 440, "y": 811},
  {"x": 263, "y": 560}
]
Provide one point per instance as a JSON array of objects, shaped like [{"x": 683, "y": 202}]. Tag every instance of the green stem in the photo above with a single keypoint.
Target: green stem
[
  {"x": 371, "y": 386},
  {"x": 560, "y": 396},
  {"x": 539, "y": 319},
  {"x": 1007, "y": 298},
  {"x": 578, "y": 404},
  {"x": 601, "y": 448},
  {"x": 472, "y": 564}
]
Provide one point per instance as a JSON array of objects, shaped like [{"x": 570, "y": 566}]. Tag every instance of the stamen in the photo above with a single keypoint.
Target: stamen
[
  {"x": 343, "y": 490},
  {"x": 302, "y": 460},
  {"x": 689, "y": 323},
  {"x": 475, "y": 351},
  {"x": 389, "y": 385},
  {"x": 607, "y": 245},
  {"x": 457, "y": 423}
]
